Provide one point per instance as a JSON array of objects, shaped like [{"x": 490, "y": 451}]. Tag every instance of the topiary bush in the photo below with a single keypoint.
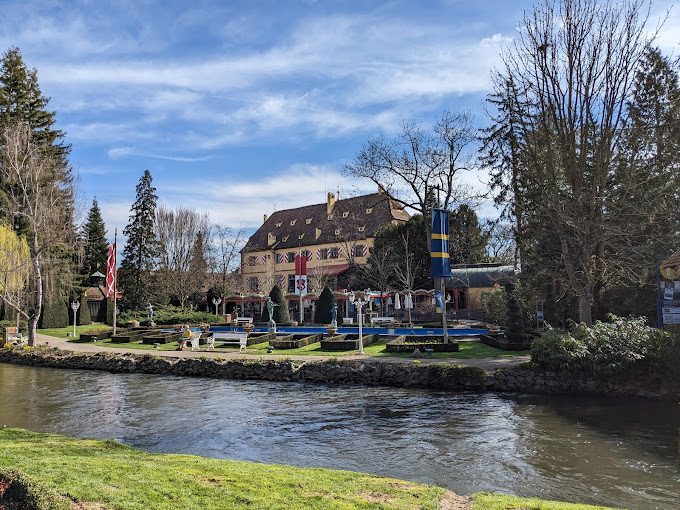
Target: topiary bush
[
  {"x": 281, "y": 315},
  {"x": 171, "y": 315},
  {"x": 324, "y": 306},
  {"x": 84, "y": 317},
  {"x": 54, "y": 315}
]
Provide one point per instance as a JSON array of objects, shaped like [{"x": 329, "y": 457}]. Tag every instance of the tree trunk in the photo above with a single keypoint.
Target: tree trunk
[
  {"x": 33, "y": 321},
  {"x": 585, "y": 309}
]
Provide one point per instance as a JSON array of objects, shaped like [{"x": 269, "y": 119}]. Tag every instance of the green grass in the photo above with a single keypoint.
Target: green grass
[
  {"x": 64, "y": 332},
  {"x": 485, "y": 501},
  {"x": 120, "y": 477},
  {"x": 468, "y": 350},
  {"x": 107, "y": 475}
]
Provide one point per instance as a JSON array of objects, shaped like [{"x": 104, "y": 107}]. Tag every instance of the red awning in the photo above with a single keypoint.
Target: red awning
[{"x": 332, "y": 270}]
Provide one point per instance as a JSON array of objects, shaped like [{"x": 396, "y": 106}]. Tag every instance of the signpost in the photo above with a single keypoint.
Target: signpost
[
  {"x": 301, "y": 280},
  {"x": 668, "y": 291}
]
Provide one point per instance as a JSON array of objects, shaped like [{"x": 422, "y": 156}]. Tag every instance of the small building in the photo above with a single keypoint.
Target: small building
[{"x": 464, "y": 288}]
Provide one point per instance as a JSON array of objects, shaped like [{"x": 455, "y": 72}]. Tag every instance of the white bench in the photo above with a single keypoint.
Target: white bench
[
  {"x": 348, "y": 320},
  {"x": 241, "y": 342},
  {"x": 382, "y": 320},
  {"x": 13, "y": 335},
  {"x": 240, "y": 321}
]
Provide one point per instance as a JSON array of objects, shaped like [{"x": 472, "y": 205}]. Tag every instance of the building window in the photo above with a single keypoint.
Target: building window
[
  {"x": 359, "y": 250},
  {"x": 279, "y": 224},
  {"x": 290, "y": 257},
  {"x": 251, "y": 260},
  {"x": 307, "y": 254},
  {"x": 301, "y": 235},
  {"x": 334, "y": 253},
  {"x": 308, "y": 221},
  {"x": 337, "y": 232},
  {"x": 291, "y": 284},
  {"x": 345, "y": 214},
  {"x": 369, "y": 210},
  {"x": 285, "y": 239},
  {"x": 330, "y": 217},
  {"x": 293, "y": 222},
  {"x": 323, "y": 253},
  {"x": 362, "y": 228},
  {"x": 253, "y": 284}
]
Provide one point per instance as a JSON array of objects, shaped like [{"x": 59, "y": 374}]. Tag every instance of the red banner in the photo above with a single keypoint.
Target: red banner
[
  {"x": 300, "y": 265},
  {"x": 111, "y": 271}
]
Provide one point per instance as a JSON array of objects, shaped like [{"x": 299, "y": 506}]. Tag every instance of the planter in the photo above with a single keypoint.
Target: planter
[
  {"x": 346, "y": 342},
  {"x": 294, "y": 341},
  {"x": 409, "y": 343},
  {"x": 500, "y": 342}
]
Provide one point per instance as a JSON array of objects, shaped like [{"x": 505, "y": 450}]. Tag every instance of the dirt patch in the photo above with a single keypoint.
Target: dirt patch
[
  {"x": 452, "y": 501},
  {"x": 377, "y": 497}
]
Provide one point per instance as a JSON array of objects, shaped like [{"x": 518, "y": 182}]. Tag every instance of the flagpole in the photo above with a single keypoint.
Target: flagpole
[
  {"x": 115, "y": 277},
  {"x": 296, "y": 270}
]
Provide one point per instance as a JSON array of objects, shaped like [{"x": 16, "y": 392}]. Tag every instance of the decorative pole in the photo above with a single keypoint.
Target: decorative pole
[
  {"x": 74, "y": 306},
  {"x": 115, "y": 279},
  {"x": 216, "y": 301}
]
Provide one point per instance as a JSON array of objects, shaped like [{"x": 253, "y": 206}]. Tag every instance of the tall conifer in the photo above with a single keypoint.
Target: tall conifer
[{"x": 96, "y": 247}]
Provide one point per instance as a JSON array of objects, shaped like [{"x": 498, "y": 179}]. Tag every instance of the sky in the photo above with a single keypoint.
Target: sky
[{"x": 242, "y": 108}]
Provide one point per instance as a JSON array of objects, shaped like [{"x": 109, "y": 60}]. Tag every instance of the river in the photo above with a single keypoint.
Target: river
[{"x": 617, "y": 452}]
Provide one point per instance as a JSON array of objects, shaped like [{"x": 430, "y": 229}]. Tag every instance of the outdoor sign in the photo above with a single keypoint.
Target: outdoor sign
[
  {"x": 300, "y": 275},
  {"x": 669, "y": 291},
  {"x": 539, "y": 314},
  {"x": 441, "y": 267},
  {"x": 439, "y": 304}
]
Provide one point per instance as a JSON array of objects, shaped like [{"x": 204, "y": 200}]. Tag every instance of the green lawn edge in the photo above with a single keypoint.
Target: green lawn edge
[{"x": 104, "y": 474}]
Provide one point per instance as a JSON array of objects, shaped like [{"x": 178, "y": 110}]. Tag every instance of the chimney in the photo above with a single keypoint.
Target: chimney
[
  {"x": 265, "y": 219},
  {"x": 330, "y": 203}
]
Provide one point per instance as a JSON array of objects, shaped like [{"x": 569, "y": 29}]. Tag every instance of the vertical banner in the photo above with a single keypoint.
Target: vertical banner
[
  {"x": 441, "y": 267},
  {"x": 111, "y": 272},
  {"x": 300, "y": 275}
]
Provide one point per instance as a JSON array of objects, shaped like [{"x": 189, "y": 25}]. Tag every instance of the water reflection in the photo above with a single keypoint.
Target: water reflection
[{"x": 620, "y": 453}]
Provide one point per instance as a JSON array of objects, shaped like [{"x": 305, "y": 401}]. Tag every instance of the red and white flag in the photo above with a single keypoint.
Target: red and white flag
[
  {"x": 300, "y": 274},
  {"x": 111, "y": 271}
]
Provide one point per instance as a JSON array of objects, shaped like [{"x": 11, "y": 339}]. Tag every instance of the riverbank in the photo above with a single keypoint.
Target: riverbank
[
  {"x": 107, "y": 475},
  {"x": 372, "y": 372}
]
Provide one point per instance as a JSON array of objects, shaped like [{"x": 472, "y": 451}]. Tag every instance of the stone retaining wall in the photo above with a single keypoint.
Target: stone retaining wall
[{"x": 439, "y": 376}]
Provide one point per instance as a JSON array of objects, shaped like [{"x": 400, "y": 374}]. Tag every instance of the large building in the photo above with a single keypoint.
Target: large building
[{"x": 332, "y": 235}]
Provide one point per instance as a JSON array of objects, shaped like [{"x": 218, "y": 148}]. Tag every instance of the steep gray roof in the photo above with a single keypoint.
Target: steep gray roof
[
  {"x": 350, "y": 219},
  {"x": 479, "y": 276}
]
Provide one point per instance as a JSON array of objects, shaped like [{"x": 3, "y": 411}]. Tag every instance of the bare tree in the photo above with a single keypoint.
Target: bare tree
[
  {"x": 225, "y": 246},
  {"x": 379, "y": 272},
  {"x": 417, "y": 169},
  {"x": 34, "y": 197},
  {"x": 571, "y": 70},
  {"x": 177, "y": 233}
]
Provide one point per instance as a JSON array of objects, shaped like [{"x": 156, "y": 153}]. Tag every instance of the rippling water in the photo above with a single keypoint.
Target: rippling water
[{"x": 611, "y": 452}]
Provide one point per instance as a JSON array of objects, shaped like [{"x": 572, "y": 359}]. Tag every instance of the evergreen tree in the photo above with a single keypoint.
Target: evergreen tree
[
  {"x": 22, "y": 101},
  {"x": 96, "y": 247},
  {"x": 324, "y": 306},
  {"x": 281, "y": 311},
  {"x": 467, "y": 240},
  {"x": 84, "y": 317},
  {"x": 198, "y": 268},
  {"x": 141, "y": 249}
]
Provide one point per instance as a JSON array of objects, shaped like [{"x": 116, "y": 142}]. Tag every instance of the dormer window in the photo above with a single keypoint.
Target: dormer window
[
  {"x": 362, "y": 228},
  {"x": 285, "y": 239},
  {"x": 293, "y": 222},
  {"x": 279, "y": 224},
  {"x": 345, "y": 214},
  {"x": 337, "y": 232},
  {"x": 308, "y": 220},
  {"x": 369, "y": 210},
  {"x": 330, "y": 217},
  {"x": 301, "y": 235}
]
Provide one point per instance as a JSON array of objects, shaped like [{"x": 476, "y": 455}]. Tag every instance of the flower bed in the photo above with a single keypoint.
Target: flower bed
[
  {"x": 294, "y": 341},
  {"x": 346, "y": 342},
  {"x": 409, "y": 343}
]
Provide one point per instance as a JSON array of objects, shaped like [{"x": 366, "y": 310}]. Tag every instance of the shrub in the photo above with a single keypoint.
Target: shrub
[
  {"x": 54, "y": 315},
  {"x": 84, "y": 311},
  {"x": 23, "y": 326},
  {"x": 495, "y": 305},
  {"x": 23, "y": 492},
  {"x": 281, "y": 311},
  {"x": 171, "y": 315},
  {"x": 324, "y": 306},
  {"x": 558, "y": 350}
]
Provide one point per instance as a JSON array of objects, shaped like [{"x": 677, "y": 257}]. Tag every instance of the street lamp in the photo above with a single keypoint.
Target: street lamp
[
  {"x": 74, "y": 306},
  {"x": 241, "y": 295},
  {"x": 216, "y": 301},
  {"x": 360, "y": 304}
]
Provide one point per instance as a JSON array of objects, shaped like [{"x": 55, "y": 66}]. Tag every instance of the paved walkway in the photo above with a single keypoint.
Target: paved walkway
[{"x": 487, "y": 364}]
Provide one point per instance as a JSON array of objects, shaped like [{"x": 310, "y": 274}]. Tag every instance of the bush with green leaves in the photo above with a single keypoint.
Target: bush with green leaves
[
  {"x": 606, "y": 348},
  {"x": 54, "y": 315},
  {"x": 495, "y": 305},
  {"x": 281, "y": 315},
  {"x": 171, "y": 315},
  {"x": 324, "y": 307},
  {"x": 84, "y": 311}
]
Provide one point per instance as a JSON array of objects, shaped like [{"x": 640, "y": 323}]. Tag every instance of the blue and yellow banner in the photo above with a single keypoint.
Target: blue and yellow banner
[{"x": 441, "y": 267}]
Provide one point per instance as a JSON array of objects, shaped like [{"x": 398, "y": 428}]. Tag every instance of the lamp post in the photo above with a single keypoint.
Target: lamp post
[
  {"x": 216, "y": 301},
  {"x": 241, "y": 295},
  {"x": 74, "y": 306},
  {"x": 360, "y": 304}
]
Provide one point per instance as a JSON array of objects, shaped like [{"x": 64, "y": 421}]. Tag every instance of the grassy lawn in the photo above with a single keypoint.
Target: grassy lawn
[
  {"x": 468, "y": 350},
  {"x": 485, "y": 501},
  {"x": 63, "y": 332},
  {"x": 107, "y": 475}
]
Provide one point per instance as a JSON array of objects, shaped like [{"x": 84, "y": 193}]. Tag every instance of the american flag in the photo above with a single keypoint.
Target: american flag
[{"x": 111, "y": 271}]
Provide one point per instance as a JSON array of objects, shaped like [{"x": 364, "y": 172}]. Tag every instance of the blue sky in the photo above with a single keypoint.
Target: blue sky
[{"x": 241, "y": 108}]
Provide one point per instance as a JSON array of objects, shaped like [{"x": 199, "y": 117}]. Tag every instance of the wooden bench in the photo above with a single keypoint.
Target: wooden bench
[
  {"x": 12, "y": 334},
  {"x": 382, "y": 320}
]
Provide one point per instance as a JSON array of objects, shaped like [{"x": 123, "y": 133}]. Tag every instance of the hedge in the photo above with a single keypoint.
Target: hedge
[
  {"x": 84, "y": 311},
  {"x": 54, "y": 315}
]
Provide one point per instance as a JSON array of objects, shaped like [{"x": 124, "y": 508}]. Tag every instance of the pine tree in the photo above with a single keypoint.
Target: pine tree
[
  {"x": 198, "y": 268},
  {"x": 141, "y": 248},
  {"x": 96, "y": 247},
  {"x": 467, "y": 240},
  {"x": 22, "y": 101},
  {"x": 281, "y": 315}
]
